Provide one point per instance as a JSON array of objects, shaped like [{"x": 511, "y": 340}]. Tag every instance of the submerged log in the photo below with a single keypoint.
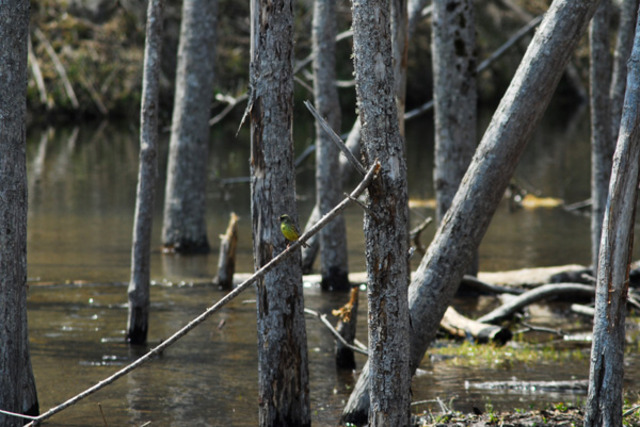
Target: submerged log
[{"x": 577, "y": 386}]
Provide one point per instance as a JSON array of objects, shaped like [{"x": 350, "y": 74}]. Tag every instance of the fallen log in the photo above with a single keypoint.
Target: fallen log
[
  {"x": 576, "y": 386},
  {"x": 460, "y": 326},
  {"x": 543, "y": 292}
]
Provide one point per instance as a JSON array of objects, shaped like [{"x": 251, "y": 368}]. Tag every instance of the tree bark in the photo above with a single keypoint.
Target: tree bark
[
  {"x": 455, "y": 98},
  {"x": 138, "y": 290},
  {"x": 386, "y": 222},
  {"x": 624, "y": 43},
  {"x": 333, "y": 241},
  {"x": 466, "y": 222},
  {"x": 184, "y": 229},
  {"x": 400, "y": 51},
  {"x": 601, "y": 144},
  {"x": 604, "y": 404},
  {"x": 283, "y": 378},
  {"x": 17, "y": 384},
  {"x": 227, "y": 258}
]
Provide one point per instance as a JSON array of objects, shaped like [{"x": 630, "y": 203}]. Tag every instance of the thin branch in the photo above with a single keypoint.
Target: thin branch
[
  {"x": 323, "y": 318},
  {"x": 37, "y": 76},
  {"x": 231, "y": 103},
  {"x": 335, "y": 138},
  {"x": 371, "y": 174},
  {"x": 58, "y": 66}
]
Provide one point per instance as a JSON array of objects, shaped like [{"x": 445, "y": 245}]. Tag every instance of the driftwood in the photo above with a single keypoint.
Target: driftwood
[
  {"x": 527, "y": 277},
  {"x": 458, "y": 325},
  {"x": 577, "y": 386},
  {"x": 543, "y": 292},
  {"x": 227, "y": 258}
]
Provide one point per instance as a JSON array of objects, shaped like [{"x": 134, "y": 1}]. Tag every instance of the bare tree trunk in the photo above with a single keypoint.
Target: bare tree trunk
[
  {"x": 138, "y": 290},
  {"x": 604, "y": 405},
  {"x": 455, "y": 98},
  {"x": 282, "y": 348},
  {"x": 624, "y": 42},
  {"x": 400, "y": 51},
  {"x": 455, "y": 95},
  {"x": 333, "y": 242},
  {"x": 17, "y": 384},
  {"x": 601, "y": 144},
  {"x": 184, "y": 229},
  {"x": 466, "y": 222},
  {"x": 386, "y": 222}
]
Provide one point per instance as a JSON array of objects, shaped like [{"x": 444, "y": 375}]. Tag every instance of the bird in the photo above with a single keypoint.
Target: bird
[{"x": 289, "y": 229}]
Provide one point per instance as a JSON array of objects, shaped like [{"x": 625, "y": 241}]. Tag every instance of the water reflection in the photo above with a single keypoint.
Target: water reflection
[{"x": 82, "y": 193}]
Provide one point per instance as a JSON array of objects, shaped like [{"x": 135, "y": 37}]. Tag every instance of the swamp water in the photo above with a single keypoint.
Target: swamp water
[{"x": 82, "y": 185}]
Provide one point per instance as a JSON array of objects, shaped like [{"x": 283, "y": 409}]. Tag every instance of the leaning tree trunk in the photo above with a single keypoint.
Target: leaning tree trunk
[
  {"x": 624, "y": 43},
  {"x": 601, "y": 144},
  {"x": 138, "y": 291},
  {"x": 386, "y": 220},
  {"x": 333, "y": 238},
  {"x": 604, "y": 404},
  {"x": 283, "y": 378},
  {"x": 455, "y": 98},
  {"x": 184, "y": 229},
  {"x": 483, "y": 186},
  {"x": 17, "y": 384}
]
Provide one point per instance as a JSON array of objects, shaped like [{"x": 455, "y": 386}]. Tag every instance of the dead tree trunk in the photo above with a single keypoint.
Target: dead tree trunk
[
  {"x": 604, "y": 405},
  {"x": 386, "y": 221},
  {"x": 400, "y": 51},
  {"x": 601, "y": 144},
  {"x": 227, "y": 258},
  {"x": 138, "y": 290},
  {"x": 184, "y": 229},
  {"x": 482, "y": 188},
  {"x": 333, "y": 242},
  {"x": 283, "y": 379},
  {"x": 624, "y": 43},
  {"x": 455, "y": 98},
  {"x": 17, "y": 384}
]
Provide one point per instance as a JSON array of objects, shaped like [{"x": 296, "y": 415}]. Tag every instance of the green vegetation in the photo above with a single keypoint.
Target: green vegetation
[{"x": 469, "y": 354}]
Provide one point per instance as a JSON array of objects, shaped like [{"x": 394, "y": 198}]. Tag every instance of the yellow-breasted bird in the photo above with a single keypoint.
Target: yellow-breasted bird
[{"x": 289, "y": 230}]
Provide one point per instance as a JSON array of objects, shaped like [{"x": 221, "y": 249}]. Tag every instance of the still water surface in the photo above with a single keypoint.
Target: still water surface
[{"x": 82, "y": 185}]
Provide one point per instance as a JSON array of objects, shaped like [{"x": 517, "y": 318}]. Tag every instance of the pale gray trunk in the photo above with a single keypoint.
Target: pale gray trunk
[
  {"x": 184, "y": 229},
  {"x": 17, "y": 384},
  {"x": 455, "y": 99},
  {"x": 454, "y": 94},
  {"x": 283, "y": 377},
  {"x": 624, "y": 42},
  {"x": 138, "y": 290},
  {"x": 333, "y": 242},
  {"x": 604, "y": 404},
  {"x": 482, "y": 188},
  {"x": 601, "y": 144},
  {"x": 400, "y": 51},
  {"x": 386, "y": 222}
]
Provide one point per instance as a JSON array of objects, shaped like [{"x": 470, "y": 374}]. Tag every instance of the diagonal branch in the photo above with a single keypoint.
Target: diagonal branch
[{"x": 335, "y": 138}]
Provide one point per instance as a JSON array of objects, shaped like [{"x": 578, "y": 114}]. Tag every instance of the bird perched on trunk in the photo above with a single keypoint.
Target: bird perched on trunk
[{"x": 289, "y": 230}]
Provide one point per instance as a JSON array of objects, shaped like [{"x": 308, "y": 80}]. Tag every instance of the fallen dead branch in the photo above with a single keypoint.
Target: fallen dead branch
[
  {"x": 458, "y": 325},
  {"x": 543, "y": 292}
]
